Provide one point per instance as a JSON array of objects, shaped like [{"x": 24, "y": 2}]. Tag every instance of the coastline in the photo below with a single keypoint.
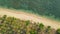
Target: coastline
[{"x": 29, "y": 16}]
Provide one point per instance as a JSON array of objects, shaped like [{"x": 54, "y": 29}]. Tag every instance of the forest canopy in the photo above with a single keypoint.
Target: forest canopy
[{"x": 12, "y": 25}]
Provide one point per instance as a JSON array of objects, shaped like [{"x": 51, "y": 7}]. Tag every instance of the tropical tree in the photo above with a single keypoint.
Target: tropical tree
[
  {"x": 33, "y": 32},
  {"x": 41, "y": 26},
  {"x": 27, "y": 26},
  {"x": 58, "y": 31},
  {"x": 48, "y": 29},
  {"x": 27, "y": 22},
  {"x": 3, "y": 18}
]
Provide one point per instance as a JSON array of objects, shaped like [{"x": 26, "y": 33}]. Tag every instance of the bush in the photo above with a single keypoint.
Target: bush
[{"x": 58, "y": 31}]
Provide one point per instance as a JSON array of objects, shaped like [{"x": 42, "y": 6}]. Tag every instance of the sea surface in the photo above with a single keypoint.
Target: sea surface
[{"x": 50, "y": 8}]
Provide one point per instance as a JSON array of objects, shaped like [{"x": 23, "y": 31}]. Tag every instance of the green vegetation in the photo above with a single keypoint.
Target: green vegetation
[
  {"x": 48, "y": 29},
  {"x": 11, "y": 25},
  {"x": 41, "y": 7},
  {"x": 3, "y": 18},
  {"x": 58, "y": 31}
]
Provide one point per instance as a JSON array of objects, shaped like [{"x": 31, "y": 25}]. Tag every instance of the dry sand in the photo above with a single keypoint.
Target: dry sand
[{"x": 27, "y": 16}]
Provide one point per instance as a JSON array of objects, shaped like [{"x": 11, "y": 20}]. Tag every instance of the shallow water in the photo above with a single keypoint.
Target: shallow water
[{"x": 41, "y": 7}]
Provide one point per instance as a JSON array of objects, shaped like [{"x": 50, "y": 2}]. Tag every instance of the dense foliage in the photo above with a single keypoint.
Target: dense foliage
[
  {"x": 11, "y": 25},
  {"x": 58, "y": 31},
  {"x": 41, "y": 7}
]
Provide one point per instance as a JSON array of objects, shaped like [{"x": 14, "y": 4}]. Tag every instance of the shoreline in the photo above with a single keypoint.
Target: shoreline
[
  {"x": 33, "y": 18},
  {"x": 31, "y": 13}
]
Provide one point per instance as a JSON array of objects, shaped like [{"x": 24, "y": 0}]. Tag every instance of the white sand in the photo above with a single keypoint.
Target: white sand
[{"x": 31, "y": 17}]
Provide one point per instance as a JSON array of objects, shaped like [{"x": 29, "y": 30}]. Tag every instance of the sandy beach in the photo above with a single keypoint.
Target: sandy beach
[{"x": 27, "y": 16}]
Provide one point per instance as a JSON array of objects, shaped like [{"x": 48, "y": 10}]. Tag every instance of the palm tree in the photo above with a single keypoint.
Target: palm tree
[
  {"x": 27, "y": 26},
  {"x": 12, "y": 19},
  {"x": 33, "y": 32},
  {"x": 58, "y": 31},
  {"x": 27, "y": 22},
  {"x": 48, "y": 29},
  {"x": 3, "y": 18},
  {"x": 41, "y": 26}
]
